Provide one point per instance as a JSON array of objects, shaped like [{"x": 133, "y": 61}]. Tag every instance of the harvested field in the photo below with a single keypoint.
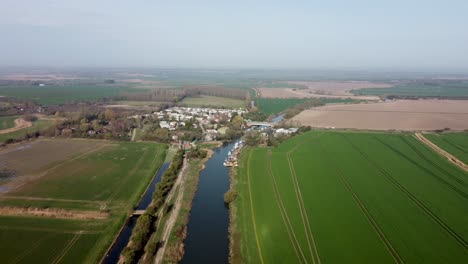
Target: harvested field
[
  {"x": 372, "y": 197},
  {"x": 70, "y": 197},
  {"x": 305, "y": 93},
  {"x": 395, "y": 115},
  {"x": 339, "y": 88},
  {"x": 12, "y": 157}
]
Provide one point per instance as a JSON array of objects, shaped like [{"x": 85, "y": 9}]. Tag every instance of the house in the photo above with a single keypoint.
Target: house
[{"x": 164, "y": 124}]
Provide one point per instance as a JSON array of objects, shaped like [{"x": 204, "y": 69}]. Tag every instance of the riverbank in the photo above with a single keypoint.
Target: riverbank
[
  {"x": 175, "y": 245},
  {"x": 235, "y": 254},
  {"x": 128, "y": 222}
]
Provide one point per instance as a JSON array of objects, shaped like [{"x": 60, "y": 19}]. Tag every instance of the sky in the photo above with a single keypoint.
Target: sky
[{"x": 358, "y": 34}]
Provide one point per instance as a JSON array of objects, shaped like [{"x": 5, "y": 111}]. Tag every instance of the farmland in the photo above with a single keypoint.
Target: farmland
[
  {"x": 454, "y": 143},
  {"x": 372, "y": 197},
  {"x": 36, "y": 125},
  {"x": 69, "y": 179},
  {"x": 399, "y": 115},
  {"x": 213, "y": 101},
  {"x": 53, "y": 95},
  {"x": 447, "y": 89},
  {"x": 277, "y": 105},
  {"x": 7, "y": 122}
]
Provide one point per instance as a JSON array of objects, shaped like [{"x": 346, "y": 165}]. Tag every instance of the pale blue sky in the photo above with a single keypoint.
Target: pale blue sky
[{"x": 327, "y": 34}]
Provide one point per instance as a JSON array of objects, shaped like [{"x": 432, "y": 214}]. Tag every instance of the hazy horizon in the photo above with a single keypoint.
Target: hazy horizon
[{"x": 362, "y": 35}]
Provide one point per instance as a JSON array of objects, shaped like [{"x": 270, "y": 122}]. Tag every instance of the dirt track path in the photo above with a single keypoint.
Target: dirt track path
[
  {"x": 20, "y": 123},
  {"x": 133, "y": 134},
  {"x": 174, "y": 213},
  {"x": 53, "y": 213},
  {"x": 442, "y": 152}
]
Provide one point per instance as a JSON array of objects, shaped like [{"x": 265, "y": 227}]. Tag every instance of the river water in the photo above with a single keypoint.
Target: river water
[
  {"x": 277, "y": 118},
  {"x": 207, "y": 239},
  {"x": 122, "y": 240}
]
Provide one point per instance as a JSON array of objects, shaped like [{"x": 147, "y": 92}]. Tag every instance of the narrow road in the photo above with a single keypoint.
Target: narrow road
[{"x": 174, "y": 213}]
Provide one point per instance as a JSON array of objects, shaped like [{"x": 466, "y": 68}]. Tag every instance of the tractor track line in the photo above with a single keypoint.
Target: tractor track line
[
  {"x": 67, "y": 248},
  {"x": 252, "y": 209},
  {"x": 29, "y": 250},
  {"x": 453, "y": 177},
  {"x": 363, "y": 208},
  {"x": 424, "y": 208},
  {"x": 127, "y": 178},
  {"x": 438, "y": 178},
  {"x": 284, "y": 214},
  {"x": 302, "y": 208},
  {"x": 455, "y": 145}
]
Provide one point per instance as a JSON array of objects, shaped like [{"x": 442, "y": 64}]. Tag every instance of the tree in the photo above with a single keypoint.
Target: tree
[
  {"x": 252, "y": 138},
  {"x": 248, "y": 100},
  {"x": 237, "y": 122},
  {"x": 109, "y": 114}
]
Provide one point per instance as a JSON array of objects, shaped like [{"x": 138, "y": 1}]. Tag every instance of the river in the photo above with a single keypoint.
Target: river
[
  {"x": 207, "y": 239},
  {"x": 122, "y": 240}
]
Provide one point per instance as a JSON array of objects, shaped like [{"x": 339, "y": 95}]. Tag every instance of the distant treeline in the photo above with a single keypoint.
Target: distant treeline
[{"x": 176, "y": 95}]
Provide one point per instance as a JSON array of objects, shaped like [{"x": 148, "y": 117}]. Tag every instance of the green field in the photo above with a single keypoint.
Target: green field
[
  {"x": 454, "y": 143},
  {"x": 80, "y": 175},
  {"x": 277, "y": 105},
  {"x": 459, "y": 89},
  {"x": 54, "y": 95},
  {"x": 7, "y": 122},
  {"x": 213, "y": 101},
  {"x": 336, "y": 197},
  {"x": 36, "y": 126}
]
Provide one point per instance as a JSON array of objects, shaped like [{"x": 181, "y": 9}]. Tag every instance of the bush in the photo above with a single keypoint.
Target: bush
[
  {"x": 197, "y": 153},
  {"x": 30, "y": 118},
  {"x": 230, "y": 196}
]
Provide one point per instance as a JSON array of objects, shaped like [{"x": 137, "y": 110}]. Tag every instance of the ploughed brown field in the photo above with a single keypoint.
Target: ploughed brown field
[
  {"x": 339, "y": 88},
  {"x": 398, "y": 115}
]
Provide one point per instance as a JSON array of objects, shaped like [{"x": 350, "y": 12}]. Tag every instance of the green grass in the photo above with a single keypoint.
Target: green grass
[
  {"x": 115, "y": 175},
  {"x": 7, "y": 122},
  {"x": 459, "y": 89},
  {"x": 277, "y": 105},
  {"x": 213, "y": 101},
  {"x": 454, "y": 143},
  {"x": 53, "y": 95},
  {"x": 372, "y": 197},
  {"x": 37, "y": 126}
]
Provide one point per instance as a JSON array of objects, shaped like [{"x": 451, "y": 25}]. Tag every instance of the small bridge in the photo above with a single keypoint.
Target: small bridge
[
  {"x": 266, "y": 124},
  {"x": 138, "y": 212}
]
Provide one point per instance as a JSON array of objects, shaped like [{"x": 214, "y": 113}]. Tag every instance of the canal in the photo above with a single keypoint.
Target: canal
[
  {"x": 112, "y": 256},
  {"x": 207, "y": 239}
]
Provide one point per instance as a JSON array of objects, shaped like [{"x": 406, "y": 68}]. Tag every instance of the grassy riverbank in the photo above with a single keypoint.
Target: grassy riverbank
[{"x": 175, "y": 245}]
